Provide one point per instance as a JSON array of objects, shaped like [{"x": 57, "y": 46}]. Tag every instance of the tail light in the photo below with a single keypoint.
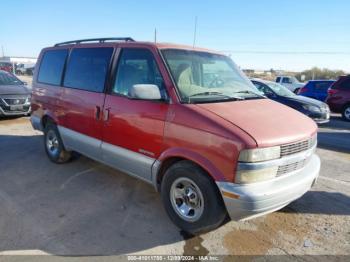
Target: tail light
[
  {"x": 303, "y": 90},
  {"x": 332, "y": 91}
]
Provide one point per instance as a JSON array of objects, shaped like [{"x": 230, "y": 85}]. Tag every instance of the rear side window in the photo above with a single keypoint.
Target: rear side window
[
  {"x": 87, "y": 68},
  {"x": 322, "y": 86},
  {"x": 51, "y": 67}
]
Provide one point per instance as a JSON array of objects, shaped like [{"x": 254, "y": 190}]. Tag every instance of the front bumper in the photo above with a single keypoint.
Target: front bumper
[
  {"x": 252, "y": 200},
  {"x": 14, "y": 113},
  {"x": 321, "y": 117},
  {"x": 6, "y": 107}
]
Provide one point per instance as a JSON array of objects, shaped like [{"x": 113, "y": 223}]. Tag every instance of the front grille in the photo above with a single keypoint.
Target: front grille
[
  {"x": 297, "y": 147},
  {"x": 7, "y": 109},
  {"x": 15, "y": 101},
  {"x": 291, "y": 167}
]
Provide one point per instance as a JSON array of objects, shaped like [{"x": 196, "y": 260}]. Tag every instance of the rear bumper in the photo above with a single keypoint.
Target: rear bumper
[
  {"x": 335, "y": 104},
  {"x": 252, "y": 200}
]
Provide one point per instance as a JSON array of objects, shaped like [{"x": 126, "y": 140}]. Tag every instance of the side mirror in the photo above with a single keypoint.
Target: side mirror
[{"x": 145, "y": 92}]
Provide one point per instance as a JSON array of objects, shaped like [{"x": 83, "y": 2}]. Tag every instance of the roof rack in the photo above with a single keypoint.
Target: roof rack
[{"x": 100, "y": 40}]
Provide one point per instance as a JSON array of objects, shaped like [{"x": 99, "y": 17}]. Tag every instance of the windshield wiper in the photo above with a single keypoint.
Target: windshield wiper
[
  {"x": 249, "y": 92},
  {"x": 208, "y": 94},
  {"x": 227, "y": 97}
]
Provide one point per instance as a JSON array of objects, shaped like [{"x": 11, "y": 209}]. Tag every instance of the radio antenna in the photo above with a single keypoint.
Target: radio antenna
[{"x": 195, "y": 31}]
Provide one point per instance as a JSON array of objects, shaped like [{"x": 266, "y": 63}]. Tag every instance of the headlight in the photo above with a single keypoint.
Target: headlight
[
  {"x": 259, "y": 154},
  {"x": 312, "y": 108},
  {"x": 252, "y": 176}
]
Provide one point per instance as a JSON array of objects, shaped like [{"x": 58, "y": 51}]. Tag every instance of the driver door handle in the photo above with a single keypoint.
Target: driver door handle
[{"x": 97, "y": 112}]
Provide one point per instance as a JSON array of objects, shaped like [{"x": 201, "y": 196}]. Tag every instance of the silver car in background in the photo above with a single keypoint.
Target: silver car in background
[{"x": 14, "y": 96}]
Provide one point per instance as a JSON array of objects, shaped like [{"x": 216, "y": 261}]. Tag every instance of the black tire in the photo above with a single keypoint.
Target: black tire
[
  {"x": 345, "y": 113},
  {"x": 56, "y": 152},
  {"x": 213, "y": 213},
  {"x": 296, "y": 91}
]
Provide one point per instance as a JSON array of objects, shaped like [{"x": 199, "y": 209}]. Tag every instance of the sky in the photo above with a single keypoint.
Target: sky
[{"x": 257, "y": 34}]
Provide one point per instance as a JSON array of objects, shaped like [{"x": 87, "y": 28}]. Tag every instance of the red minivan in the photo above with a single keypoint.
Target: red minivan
[{"x": 183, "y": 119}]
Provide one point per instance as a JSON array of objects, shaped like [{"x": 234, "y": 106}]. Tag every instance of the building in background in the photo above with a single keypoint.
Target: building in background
[{"x": 19, "y": 65}]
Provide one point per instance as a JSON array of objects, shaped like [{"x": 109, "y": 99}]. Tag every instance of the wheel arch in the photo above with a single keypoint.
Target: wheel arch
[{"x": 173, "y": 156}]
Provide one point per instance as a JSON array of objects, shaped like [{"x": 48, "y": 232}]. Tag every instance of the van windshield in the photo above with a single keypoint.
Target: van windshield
[{"x": 202, "y": 77}]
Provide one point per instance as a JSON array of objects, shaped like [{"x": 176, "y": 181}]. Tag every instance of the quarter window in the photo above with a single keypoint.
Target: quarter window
[
  {"x": 51, "y": 67},
  {"x": 87, "y": 68},
  {"x": 137, "y": 66}
]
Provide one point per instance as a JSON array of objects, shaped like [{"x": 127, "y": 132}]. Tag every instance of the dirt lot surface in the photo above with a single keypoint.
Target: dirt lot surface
[
  {"x": 27, "y": 79},
  {"x": 86, "y": 208}
]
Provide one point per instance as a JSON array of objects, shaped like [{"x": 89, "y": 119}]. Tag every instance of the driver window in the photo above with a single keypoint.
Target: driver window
[{"x": 137, "y": 66}]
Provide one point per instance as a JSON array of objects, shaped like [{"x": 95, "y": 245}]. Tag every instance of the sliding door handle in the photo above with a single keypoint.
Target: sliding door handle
[
  {"x": 106, "y": 115},
  {"x": 97, "y": 112}
]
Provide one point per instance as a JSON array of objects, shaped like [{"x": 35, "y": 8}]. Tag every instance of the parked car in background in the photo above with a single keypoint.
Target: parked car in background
[
  {"x": 316, "y": 89},
  {"x": 25, "y": 69},
  {"x": 338, "y": 97},
  {"x": 6, "y": 66},
  {"x": 290, "y": 82},
  {"x": 14, "y": 96},
  {"x": 313, "y": 108},
  {"x": 184, "y": 119}
]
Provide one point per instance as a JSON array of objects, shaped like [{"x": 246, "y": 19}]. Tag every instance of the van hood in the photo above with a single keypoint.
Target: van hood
[
  {"x": 14, "y": 90},
  {"x": 269, "y": 123}
]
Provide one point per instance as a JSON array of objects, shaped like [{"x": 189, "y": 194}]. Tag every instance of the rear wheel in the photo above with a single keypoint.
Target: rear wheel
[
  {"x": 191, "y": 199},
  {"x": 296, "y": 91},
  {"x": 54, "y": 146},
  {"x": 346, "y": 112}
]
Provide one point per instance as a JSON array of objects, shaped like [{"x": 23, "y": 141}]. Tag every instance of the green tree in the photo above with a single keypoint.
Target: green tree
[{"x": 318, "y": 73}]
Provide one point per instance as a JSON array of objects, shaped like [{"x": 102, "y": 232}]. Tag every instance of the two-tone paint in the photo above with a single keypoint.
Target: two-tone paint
[{"x": 142, "y": 138}]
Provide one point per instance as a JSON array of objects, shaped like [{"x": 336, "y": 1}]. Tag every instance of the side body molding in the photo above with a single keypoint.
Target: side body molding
[
  {"x": 127, "y": 161},
  {"x": 86, "y": 145}
]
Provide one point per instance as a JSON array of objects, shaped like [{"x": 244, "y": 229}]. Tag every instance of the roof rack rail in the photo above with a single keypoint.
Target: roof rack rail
[{"x": 100, "y": 40}]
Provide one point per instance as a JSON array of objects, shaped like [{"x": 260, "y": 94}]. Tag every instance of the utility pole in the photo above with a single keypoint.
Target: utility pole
[
  {"x": 195, "y": 31},
  {"x": 2, "y": 49}
]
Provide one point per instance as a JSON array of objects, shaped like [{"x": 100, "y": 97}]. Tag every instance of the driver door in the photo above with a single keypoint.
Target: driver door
[{"x": 133, "y": 128}]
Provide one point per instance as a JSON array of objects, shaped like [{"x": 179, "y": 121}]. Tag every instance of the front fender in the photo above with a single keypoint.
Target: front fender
[{"x": 186, "y": 154}]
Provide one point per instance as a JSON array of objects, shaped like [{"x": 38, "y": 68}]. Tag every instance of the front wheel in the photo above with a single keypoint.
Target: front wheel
[
  {"x": 346, "y": 113},
  {"x": 54, "y": 146},
  {"x": 191, "y": 199}
]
